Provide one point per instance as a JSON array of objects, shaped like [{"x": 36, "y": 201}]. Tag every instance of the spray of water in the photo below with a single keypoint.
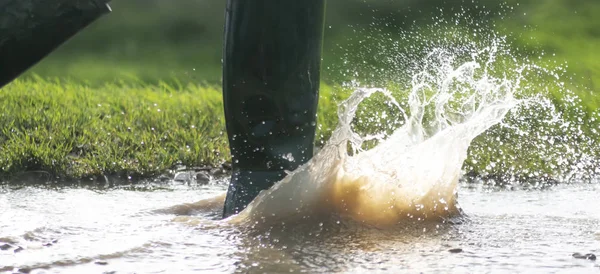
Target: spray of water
[
  {"x": 461, "y": 102},
  {"x": 412, "y": 173}
]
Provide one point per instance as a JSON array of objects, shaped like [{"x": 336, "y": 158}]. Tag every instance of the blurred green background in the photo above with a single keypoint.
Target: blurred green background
[
  {"x": 169, "y": 52},
  {"x": 180, "y": 41}
]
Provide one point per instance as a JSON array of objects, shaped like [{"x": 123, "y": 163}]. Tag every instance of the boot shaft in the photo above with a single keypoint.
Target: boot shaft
[{"x": 272, "y": 59}]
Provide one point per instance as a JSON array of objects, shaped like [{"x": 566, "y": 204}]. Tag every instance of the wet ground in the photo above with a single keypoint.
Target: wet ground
[{"x": 119, "y": 230}]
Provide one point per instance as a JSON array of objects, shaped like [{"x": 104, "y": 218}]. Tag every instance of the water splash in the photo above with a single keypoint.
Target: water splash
[
  {"x": 464, "y": 103},
  {"x": 411, "y": 174},
  {"x": 549, "y": 138}
]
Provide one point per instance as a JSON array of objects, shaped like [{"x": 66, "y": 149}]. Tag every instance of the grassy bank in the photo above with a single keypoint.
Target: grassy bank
[{"x": 72, "y": 131}]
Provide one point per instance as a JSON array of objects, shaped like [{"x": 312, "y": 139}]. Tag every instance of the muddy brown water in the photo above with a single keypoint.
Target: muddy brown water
[{"x": 136, "y": 230}]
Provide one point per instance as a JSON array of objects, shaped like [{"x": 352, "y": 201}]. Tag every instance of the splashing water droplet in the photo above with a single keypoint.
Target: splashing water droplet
[
  {"x": 455, "y": 103},
  {"x": 449, "y": 103}
]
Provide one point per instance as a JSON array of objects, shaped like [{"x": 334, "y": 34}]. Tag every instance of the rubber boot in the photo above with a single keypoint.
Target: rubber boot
[
  {"x": 31, "y": 29},
  {"x": 272, "y": 58}
]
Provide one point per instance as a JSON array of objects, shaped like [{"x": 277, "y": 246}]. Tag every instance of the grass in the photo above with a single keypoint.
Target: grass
[{"x": 72, "y": 131}]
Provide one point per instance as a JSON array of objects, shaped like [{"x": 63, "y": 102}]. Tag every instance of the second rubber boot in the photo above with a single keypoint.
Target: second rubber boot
[{"x": 31, "y": 29}]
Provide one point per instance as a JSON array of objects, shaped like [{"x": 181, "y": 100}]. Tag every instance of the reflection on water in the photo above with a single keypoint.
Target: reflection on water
[{"x": 76, "y": 230}]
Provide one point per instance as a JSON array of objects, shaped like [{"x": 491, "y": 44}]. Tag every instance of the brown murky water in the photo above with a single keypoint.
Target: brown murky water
[{"x": 82, "y": 230}]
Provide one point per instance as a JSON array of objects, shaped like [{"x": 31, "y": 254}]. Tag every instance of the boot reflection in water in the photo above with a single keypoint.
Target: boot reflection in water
[{"x": 272, "y": 59}]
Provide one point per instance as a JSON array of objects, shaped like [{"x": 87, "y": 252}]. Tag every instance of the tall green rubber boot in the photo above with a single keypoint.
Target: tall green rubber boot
[
  {"x": 31, "y": 29},
  {"x": 271, "y": 74}
]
